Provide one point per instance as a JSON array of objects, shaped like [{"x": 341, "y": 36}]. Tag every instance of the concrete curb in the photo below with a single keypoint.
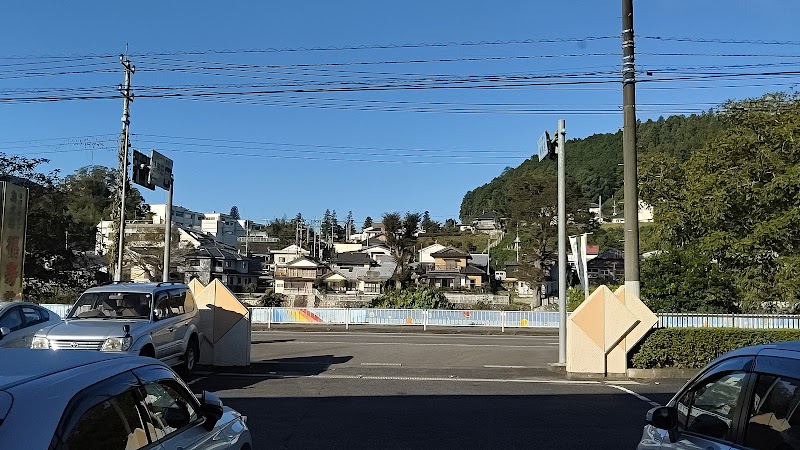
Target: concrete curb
[{"x": 651, "y": 374}]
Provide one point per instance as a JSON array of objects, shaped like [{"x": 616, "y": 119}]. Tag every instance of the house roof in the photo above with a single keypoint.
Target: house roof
[
  {"x": 352, "y": 259},
  {"x": 479, "y": 259},
  {"x": 439, "y": 246},
  {"x": 450, "y": 252},
  {"x": 299, "y": 262},
  {"x": 611, "y": 253},
  {"x": 217, "y": 253},
  {"x": 472, "y": 270}
]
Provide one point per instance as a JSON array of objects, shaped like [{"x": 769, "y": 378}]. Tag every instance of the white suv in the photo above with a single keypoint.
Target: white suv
[{"x": 148, "y": 319}]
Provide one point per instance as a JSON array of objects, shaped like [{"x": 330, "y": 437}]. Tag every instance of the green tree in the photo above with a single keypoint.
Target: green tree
[
  {"x": 368, "y": 222},
  {"x": 401, "y": 238},
  {"x": 733, "y": 205},
  {"x": 412, "y": 297},
  {"x": 235, "y": 212}
]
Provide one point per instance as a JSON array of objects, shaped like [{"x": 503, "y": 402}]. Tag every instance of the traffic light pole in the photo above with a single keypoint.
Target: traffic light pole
[{"x": 168, "y": 231}]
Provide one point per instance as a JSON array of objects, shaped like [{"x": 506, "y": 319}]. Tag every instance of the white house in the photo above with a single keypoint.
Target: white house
[
  {"x": 283, "y": 257},
  {"x": 425, "y": 253}
]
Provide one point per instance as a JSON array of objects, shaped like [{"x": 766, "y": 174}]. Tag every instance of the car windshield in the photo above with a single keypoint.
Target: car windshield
[{"x": 109, "y": 305}]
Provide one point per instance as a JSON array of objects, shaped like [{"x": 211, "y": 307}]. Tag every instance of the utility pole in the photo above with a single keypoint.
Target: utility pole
[
  {"x": 631, "y": 188},
  {"x": 127, "y": 97},
  {"x": 562, "y": 246}
]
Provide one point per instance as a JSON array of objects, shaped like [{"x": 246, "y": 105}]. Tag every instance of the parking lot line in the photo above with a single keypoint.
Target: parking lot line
[{"x": 635, "y": 394}]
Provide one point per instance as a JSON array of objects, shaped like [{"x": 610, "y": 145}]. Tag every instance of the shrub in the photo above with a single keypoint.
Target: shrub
[
  {"x": 693, "y": 348},
  {"x": 424, "y": 297},
  {"x": 271, "y": 299}
]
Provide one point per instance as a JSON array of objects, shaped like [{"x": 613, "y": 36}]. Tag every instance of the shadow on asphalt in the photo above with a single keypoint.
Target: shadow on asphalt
[
  {"x": 270, "y": 341},
  {"x": 297, "y": 367},
  {"x": 565, "y": 421}
]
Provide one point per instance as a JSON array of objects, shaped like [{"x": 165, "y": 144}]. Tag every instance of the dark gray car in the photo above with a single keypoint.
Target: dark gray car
[
  {"x": 747, "y": 398},
  {"x": 147, "y": 319}
]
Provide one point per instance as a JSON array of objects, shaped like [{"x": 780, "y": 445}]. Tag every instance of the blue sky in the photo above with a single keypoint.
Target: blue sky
[{"x": 274, "y": 151}]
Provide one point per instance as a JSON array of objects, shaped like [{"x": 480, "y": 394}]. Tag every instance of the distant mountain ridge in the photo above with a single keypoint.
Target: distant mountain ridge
[{"x": 594, "y": 162}]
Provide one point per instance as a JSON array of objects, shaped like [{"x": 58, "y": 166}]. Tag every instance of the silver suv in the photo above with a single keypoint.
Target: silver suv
[{"x": 148, "y": 319}]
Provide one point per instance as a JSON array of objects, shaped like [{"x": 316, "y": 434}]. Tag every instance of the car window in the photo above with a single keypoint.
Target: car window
[
  {"x": 112, "y": 424},
  {"x": 103, "y": 305},
  {"x": 32, "y": 316},
  {"x": 169, "y": 407},
  {"x": 708, "y": 408},
  {"x": 774, "y": 421},
  {"x": 162, "y": 305},
  {"x": 11, "y": 319},
  {"x": 177, "y": 299}
]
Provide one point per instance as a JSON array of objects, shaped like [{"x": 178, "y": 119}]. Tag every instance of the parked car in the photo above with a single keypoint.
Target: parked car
[
  {"x": 94, "y": 400},
  {"x": 19, "y": 321},
  {"x": 147, "y": 319},
  {"x": 747, "y": 398}
]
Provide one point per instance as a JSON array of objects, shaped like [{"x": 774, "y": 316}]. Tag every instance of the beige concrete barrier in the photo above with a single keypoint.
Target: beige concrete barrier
[
  {"x": 225, "y": 324},
  {"x": 602, "y": 330}
]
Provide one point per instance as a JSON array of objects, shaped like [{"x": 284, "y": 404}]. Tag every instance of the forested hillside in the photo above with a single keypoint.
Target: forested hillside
[{"x": 593, "y": 162}]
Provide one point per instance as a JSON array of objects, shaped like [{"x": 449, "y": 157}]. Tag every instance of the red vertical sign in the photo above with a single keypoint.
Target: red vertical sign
[{"x": 13, "y": 223}]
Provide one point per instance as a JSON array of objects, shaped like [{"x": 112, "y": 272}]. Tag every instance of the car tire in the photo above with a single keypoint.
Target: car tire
[
  {"x": 148, "y": 352},
  {"x": 190, "y": 357}
]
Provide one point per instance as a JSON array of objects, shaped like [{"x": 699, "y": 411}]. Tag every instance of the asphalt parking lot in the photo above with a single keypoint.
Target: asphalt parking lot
[{"x": 367, "y": 390}]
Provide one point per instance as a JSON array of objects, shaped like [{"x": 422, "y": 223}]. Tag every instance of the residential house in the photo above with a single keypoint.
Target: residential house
[
  {"x": 645, "y": 214},
  {"x": 485, "y": 223},
  {"x": 358, "y": 273},
  {"x": 297, "y": 277},
  {"x": 376, "y": 251},
  {"x": 425, "y": 253},
  {"x": 607, "y": 266},
  {"x": 234, "y": 270},
  {"x": 282, "y": 257},
  {"x": 346, "y": 247},
  {"x": 451, "y": 269}
]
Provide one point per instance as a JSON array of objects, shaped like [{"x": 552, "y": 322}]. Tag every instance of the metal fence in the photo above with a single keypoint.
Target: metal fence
[
  {"x": 483, "y": 318},
  {"x": 683, "y": 320}
]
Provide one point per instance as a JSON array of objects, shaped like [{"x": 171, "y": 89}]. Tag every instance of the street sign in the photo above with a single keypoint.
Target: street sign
[
  {"x": 266, "y": 239},
  {"x": 160, "y": 170},
  {"x": 544, "y": 146},
  {"x": 13, "y": 228},
  {"x": 141, "y": 170}
]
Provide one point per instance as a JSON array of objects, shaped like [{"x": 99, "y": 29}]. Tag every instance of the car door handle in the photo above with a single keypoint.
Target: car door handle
[{"x": 171, "y": 329}]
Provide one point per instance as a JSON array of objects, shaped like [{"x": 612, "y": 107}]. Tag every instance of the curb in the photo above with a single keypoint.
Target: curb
[{"x": 651, "y": 374}]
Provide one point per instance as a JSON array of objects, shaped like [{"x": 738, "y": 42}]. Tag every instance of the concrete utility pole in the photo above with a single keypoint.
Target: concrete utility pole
[
  {"x": 631, "y": 188},
  {"x": 127, "y": 97},
  {"x": 562, "y": 245}
]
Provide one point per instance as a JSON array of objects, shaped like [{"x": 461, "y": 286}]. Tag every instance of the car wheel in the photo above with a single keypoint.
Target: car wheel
[
  {"x": 148, "y": 351},
  {"x": 190, "y": 357}
]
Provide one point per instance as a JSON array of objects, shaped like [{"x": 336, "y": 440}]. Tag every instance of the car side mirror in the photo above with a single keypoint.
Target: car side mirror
[
  {"x": 211, "y": 409},
  {"x": 663, "y": 417},
  {"x": 4, "y": 332}
]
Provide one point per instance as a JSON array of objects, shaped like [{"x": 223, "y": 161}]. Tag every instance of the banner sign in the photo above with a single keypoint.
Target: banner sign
[{"x": 13, "y": 226}]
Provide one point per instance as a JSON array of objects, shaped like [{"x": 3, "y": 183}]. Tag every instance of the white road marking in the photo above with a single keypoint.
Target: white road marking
[
  {"x": 412, "y": 335},
  {"x": 381, "y": 364},
  {"x": 396, "y": 378},
  {"x": 196, "y": 380},
  {"x": 422, "y": 344},
  {"x": 495, "y": 366},
  {"x": 637, "y": 395}
]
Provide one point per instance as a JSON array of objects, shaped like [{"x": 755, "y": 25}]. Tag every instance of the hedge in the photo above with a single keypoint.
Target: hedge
[{"x": 693, "y": 348}]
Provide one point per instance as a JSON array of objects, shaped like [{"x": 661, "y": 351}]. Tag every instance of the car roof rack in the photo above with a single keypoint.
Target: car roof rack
[{"x": 168, "y": 282}]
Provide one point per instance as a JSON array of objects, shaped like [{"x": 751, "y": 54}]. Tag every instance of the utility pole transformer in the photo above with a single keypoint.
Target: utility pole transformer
[
  {"x": 127, "y": 97},
  {"x": 629, "y": 159}
]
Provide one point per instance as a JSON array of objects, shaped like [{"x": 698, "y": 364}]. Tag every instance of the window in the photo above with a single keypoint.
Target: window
[
  {"x": 774, "y": 421},
  {"x": 162, "y": 305},
  {"x": 169, "y": 408},
  {"x": 177, "y": 299},
  {"x": 114, "y": 423},
  {"x": 33, "y": 316},
  {"x": 228, "y": 264},
  {"x": 11, "y": 320},
  {"x": 708, "y": 408}
]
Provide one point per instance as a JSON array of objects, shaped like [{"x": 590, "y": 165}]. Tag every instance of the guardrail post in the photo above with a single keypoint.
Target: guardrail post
[
  {"x": 503, "y": 321},
  {"x": 269, "y": 318},
  {"x": 347, "y": 319},
  {"x": 425, "y": 320}
]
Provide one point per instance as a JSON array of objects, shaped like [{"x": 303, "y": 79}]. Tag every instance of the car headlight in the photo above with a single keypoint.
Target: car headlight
[
  {"x": 117, "y": 344},
  {"x": 40, "y": 343}
]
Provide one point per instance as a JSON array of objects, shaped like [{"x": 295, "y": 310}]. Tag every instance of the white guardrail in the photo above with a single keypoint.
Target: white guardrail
[{"x": 482, "y": 318}]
